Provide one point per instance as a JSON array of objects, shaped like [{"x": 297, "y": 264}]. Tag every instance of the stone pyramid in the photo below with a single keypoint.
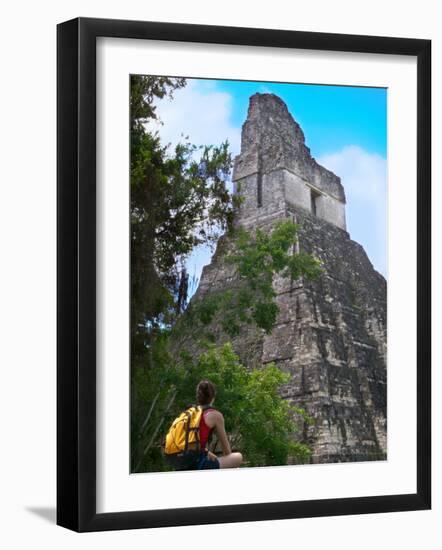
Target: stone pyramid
[{"x": 330, "y": 334}]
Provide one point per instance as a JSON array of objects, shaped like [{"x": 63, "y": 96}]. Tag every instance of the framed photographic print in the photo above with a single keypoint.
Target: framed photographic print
[{"x": 243, "y": 274}]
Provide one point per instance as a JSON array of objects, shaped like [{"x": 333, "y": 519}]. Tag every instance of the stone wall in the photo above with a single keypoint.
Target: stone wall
[
  {"x": 272, "y": 139},
  {"x": 330, "y": 335},
  {"x": 276, "y": 165}
]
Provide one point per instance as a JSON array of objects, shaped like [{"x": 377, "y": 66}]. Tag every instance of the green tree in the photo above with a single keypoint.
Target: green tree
[
  {"x": 256, "y": 259},
  {"x": 259, "y": 421},
  {"x": 179, "y": 199}
]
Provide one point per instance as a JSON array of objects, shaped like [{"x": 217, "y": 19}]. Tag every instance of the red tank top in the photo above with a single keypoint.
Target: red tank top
[{"x": 205, "y": 431}]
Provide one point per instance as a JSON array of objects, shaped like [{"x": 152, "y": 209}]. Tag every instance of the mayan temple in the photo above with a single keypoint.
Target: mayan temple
[{"x": 330, "y": 334}]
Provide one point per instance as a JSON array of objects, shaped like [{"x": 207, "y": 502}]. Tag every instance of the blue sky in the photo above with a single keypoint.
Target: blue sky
[
  {"x": 331, "y": 116},
  {"x": 345, "y": 128}
]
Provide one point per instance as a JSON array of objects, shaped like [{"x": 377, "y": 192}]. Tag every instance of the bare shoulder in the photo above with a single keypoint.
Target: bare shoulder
[{"x": 213, "y": 417}]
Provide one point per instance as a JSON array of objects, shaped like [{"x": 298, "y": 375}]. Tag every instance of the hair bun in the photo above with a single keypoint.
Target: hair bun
[{"x": 205, "y": 392}]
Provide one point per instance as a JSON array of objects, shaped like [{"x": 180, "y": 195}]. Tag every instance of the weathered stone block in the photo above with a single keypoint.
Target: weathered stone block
[{"x": 330, "y": 334}]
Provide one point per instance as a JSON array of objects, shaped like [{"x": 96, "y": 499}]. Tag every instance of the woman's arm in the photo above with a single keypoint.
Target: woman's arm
[
  {"x": 221, "y": 433},
  {"x": 214, "y": 419}
]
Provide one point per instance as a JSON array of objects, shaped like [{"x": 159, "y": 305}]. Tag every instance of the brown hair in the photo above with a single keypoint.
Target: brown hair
[{"x": 205, "y": 392}]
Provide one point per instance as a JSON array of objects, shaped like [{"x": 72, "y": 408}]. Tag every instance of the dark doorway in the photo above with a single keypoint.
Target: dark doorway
[{"x": 313, "y": 198}]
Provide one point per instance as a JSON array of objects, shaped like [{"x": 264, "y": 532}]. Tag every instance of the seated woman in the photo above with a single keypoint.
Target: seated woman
[{"x": 213, "y": 420}]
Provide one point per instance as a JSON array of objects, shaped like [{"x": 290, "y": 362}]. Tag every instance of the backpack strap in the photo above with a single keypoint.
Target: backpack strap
[
  {"x": 189, "y": 429},
  {"x": 189, "y": 416}
]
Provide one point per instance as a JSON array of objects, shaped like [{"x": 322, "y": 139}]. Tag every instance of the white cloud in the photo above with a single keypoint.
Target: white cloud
[
  {"x": 201, "y": 112},
  {"x": 364, "y": 177}
]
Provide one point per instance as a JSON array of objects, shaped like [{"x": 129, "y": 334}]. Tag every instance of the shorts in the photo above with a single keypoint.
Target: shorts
[
  {"x": 206, "y": 463},
  {"x": 192, "y": 460}
]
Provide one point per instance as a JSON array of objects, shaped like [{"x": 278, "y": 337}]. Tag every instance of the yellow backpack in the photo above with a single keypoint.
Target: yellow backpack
[{"x": 184, "y": 432}]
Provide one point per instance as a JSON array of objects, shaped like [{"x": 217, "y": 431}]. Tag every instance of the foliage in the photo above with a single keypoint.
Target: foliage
[
  {"x": 258, "y": 421},
  {"x": 144, "y": 90},
  {"x": 256, "y": 259},
  {"x": 179, "y": 199}
]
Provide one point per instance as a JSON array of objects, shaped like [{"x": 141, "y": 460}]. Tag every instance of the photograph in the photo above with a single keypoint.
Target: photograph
[
  {"x": 220, "y": 217},
  {"x": 258, "y": 274}
]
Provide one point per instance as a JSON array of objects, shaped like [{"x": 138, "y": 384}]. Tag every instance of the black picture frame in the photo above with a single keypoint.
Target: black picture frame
[{"x": 76, "y": 274}]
